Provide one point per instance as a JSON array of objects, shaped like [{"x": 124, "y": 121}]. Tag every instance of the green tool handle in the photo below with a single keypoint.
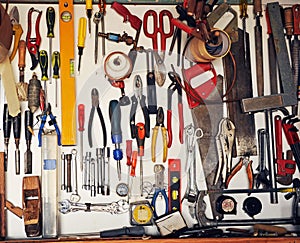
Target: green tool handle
[
  {"x": 50, "y": 20},
  {"x": 43, "y": 60}
]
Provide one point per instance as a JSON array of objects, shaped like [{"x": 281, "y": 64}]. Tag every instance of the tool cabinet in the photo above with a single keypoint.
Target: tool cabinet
[{"x": 78, "y": 225}]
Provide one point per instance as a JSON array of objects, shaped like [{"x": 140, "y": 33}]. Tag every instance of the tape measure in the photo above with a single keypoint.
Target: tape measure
[{"x": 141, "y": 213}]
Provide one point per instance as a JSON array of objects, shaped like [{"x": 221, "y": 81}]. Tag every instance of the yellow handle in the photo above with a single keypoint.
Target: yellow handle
[
  {"x": 18, "y": 31},
  {"x": 81, "y": 32},
  {"x": 153, "y": 143},
  {"x": 165, "y": 142},
  {"x": 88, "y": 4}
]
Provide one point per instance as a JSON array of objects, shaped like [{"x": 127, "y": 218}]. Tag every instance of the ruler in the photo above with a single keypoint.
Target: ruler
[{"x": 68, "y": 85}]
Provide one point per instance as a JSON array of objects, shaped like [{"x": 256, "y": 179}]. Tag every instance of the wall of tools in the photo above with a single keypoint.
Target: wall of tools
[{"x": 123, "y": 131}]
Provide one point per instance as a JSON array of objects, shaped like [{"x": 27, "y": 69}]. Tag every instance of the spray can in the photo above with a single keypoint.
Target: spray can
[{"x": 49, "y": 184}]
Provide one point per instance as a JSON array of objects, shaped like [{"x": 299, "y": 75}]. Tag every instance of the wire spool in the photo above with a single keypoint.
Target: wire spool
[
  {"x": 117, "y": 66},
  {"x": 200, "y": 51}
]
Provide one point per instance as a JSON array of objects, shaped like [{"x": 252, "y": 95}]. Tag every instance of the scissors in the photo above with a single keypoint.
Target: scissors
[
  {"x": 192, "y": 135},
  {"x": 159, "y": 28}
]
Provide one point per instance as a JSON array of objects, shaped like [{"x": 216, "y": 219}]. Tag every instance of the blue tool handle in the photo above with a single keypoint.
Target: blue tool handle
[
  {"x": 153, "y": 202},
  {"x": 118, "y": 154},
  {"x": 44, "y": 118},
  {"x": 115, "y": 119},
  {"x": 53, "y": 119}
]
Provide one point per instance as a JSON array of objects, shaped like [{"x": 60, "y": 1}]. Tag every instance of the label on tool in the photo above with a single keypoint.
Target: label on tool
[
  {"x": 174, "y": 185},
  {"x": 141, "y": 213},
  {"x": 49, "y": 164}
]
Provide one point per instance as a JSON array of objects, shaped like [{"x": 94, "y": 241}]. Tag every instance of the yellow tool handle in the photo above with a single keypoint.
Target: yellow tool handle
[
  {"x": 165, "y": 142},
  {"x": 88, "y": 4},
  {"x": 243, "y": 9},
  {"x": 153, "y": 143},
  {"x": 81, "y": 32}
]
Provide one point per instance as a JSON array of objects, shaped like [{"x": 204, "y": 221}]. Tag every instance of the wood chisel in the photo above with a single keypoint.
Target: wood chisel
[{"x": 68, "y": 88}]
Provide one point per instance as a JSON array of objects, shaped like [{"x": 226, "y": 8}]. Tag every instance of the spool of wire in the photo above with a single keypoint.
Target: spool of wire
[
  {"x": 34, "y": 89},
  {"x": 117, "y": 66}
]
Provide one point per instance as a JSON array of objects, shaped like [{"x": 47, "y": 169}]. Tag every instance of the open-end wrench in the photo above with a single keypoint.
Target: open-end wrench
[{"x": 75, "y": 196}]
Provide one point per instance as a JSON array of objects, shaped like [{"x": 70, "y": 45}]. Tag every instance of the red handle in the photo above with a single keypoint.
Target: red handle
[
  {"x": 269, "y": 30},
  {"x": 133, "y": 163},
  {"x": 140, "y": 137},
  {"x": 128, "y": 151},
  {"x": 181, "y": 122},
  {"x": 169, "y": 128},
  {"x": 134, "y": 21},
  {"x": 182, "y": 26},
  {"x": 278, "y": 137},
  {"x": 296, "y": 16},
  {"x": 163, "y": 34},
  {"x": 154, "y": 33},
  {"x": 81, "y": 117}
]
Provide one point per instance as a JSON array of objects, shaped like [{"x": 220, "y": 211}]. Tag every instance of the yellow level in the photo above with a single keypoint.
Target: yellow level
[{"x": 68, "y": 85}]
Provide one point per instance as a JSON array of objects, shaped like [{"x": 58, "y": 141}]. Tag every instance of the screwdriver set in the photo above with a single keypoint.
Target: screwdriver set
[{"x": 200, "y": 138}]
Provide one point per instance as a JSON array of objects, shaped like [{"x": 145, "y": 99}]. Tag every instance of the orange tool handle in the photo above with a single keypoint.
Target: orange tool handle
[
  {"x": 250, "y": 174},
  {"x": 128, "y": 151},
  {"x": 234, "y": 171},
  {"x": 140, "y": 137},
  {"x": 81, "y": 117},
  {"x": 269, "y": 30},
  {"x": 133, "y": 163},
  {"x": 134, "y": 21},
  {"x": 296, "y": 17}
]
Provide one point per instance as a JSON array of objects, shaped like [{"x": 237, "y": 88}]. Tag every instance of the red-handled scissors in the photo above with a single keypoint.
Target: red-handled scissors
[{"x": 158, "y": 27}]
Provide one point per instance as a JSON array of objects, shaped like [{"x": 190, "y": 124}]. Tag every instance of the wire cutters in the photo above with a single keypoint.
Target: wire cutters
[
  {"x": 248, "y": 164},
  {"x": 139, "y": 97},
  {"x": 33, "y": 44},
  {"x": 159, "y": 123},
  {"x": 52, "y": 121},
  {"x": 159, "y": 188},
  {"x": 174, "y": 86},
  {"x": 95, "y": 106}
]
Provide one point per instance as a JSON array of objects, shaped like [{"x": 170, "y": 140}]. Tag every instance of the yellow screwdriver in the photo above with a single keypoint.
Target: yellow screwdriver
[
  {"x": 89, "y": 11},
  {"x": 81, "y": 38}
]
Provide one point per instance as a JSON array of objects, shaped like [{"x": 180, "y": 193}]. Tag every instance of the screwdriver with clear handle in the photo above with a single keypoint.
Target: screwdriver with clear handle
[
  {"x": 81, "y": 129},
  {"x": 81, "y": 38},
  {"x": 50, "y": 20}
]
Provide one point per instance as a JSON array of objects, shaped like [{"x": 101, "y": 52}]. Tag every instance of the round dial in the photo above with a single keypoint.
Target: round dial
[{"x": 122, "y": 189}]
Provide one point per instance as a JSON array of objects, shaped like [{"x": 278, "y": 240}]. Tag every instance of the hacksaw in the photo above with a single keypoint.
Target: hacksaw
[{"x": 68, "y": 85}]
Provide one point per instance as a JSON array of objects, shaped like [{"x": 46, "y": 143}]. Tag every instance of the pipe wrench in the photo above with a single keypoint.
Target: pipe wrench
[{"x": 33, "y": 44}]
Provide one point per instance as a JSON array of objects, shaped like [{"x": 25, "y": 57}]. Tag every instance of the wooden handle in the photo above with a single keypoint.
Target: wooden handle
[
  {"x": 22, "y": 51},
  {"x": 288, "y": 21},
  {"x": 257, "y": 7}
]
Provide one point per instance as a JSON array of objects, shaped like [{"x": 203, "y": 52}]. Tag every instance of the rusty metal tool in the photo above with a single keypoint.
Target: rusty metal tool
[
  {"x": 17, "y": 30},
  {"x": 296, "y": 47},
  {"x": 69, "y": 172},
  {"x": 258, "y": 48},
  {"x": 28, "y": 135}
]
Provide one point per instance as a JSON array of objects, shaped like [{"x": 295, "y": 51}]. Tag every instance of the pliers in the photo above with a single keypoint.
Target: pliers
[
  {"x": 159, "y": 123},
  {"x": 51, "y": 122},
  {"x": 159, "y": 188},
  {"x": 248, "y": 164},
  {"x": 95, "y": 106},
  {"x": 174, "y": 86},
  {"x": 139, "y": 97}
]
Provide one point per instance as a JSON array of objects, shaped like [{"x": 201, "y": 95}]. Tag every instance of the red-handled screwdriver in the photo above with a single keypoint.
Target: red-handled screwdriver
[
  {"x": 140, "y": 139},
  {"x": 132, "y": 171},
  {"x": 81, "y": 129},
  {"x": 128, "y": 156}
]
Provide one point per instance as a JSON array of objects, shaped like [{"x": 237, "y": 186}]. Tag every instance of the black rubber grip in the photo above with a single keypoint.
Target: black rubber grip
[
  {"x": 28, "y": 120},
  {"x": 130, "y": 231},
  {"x": 115, "y": 117},
  {"x": 17, "y": 126},
  {"x": 7, "y": 119}
]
